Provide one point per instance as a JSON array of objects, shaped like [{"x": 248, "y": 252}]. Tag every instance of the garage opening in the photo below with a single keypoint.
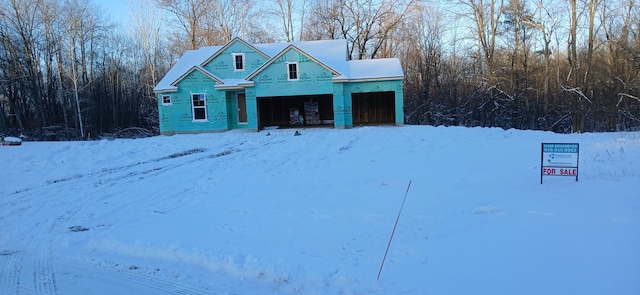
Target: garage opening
[
  {"x": 373, "y": 108},
  {"x": 286, "y": 111}
]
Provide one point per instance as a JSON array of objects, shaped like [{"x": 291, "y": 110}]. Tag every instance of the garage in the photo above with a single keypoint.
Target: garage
[
  {"x": 287, "y": 111},
  {"x": 373, "y": 108}
]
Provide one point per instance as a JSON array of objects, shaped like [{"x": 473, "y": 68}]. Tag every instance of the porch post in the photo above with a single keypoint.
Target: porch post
[
  {"x": 342, "y": 113},
  {"x": 399, "y": 101}
]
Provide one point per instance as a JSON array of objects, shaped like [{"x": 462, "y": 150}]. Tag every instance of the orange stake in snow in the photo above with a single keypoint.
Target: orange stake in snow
[{"x": 394, "y": 229}]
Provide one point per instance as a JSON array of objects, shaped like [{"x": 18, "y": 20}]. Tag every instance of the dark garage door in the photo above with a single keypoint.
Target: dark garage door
[
  {"x": 373, "y": 108},
  {"x": 275, "y": 111}
]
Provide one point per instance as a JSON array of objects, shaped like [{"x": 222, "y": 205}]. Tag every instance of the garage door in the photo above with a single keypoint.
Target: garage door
[
  {"x": 314, "y": 110},
  {"x": 373, "y": 108}
]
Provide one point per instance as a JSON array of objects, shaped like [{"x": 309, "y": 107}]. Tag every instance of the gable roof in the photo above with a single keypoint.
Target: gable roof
[
  {"x": 199, "y": 69},
  {"x": 188, "y": 60},
  {"x": 285, "y": 50},
  {"x": 331, "y": 54},
  {"x": 233, "y": 41}
]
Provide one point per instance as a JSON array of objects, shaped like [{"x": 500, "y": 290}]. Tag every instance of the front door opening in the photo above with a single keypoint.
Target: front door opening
[{"x": 242, "y": 108}]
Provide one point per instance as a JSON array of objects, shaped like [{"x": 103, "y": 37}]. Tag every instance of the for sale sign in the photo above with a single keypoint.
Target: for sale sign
[{"x": 559, "y": 159}]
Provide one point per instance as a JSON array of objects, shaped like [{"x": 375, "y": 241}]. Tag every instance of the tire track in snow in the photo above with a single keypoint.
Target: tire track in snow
[
  {"x": 10, "y": 272},
  {"x": 124, "y": 168},
  {"x": 107, "y": 171},
  {"x": 45, "y": 281},
  {"x": 112, "y": 170},
  {"x": 130, "y": 172},
  {"x": 104, "y": 177},
  {"x": 128, "y": 278},
  {"x": 40, "y": 266},
  {"x": 15, "y": 274},
  {"x": 142, "y": 174},
  {"x": 44, "y": 277}
]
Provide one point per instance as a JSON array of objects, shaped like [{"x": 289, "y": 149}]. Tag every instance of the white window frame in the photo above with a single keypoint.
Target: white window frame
[
  {"x": 164, "y": 102},
  {"x": 201, "y": 97},
  {"x": 235, "y": 64},
  {"x": 289, "y": 63}
]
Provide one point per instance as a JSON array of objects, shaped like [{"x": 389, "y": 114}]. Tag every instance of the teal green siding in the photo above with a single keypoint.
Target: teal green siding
[
  {"x": 252, "y": 109},
  {"x": 178, "y": 117},
  {"x": 166, "y": 115},
  {"x": 223, "y": 64},
  {"x": 232, "y": 107},
  {"x": 313, "y": 78},
  {"x": 342, "y": 107}
]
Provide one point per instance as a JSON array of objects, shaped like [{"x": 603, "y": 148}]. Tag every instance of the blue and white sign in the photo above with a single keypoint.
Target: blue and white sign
[{"x": 559, "y": 159}]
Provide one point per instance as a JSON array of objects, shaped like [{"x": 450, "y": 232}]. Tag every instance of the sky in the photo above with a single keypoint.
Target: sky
[
  {"x": 272, "y": 213},
  {"x": 117, "y": 9}
]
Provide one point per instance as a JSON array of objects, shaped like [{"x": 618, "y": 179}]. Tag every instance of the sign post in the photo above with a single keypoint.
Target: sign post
[{"x": 559, "y": 159}]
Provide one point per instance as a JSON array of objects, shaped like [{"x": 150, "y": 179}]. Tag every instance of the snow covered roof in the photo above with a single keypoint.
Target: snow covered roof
[
  {"x": 189, "y": 59},
  {"x": 233, "y": 83},
  {"x": 375, "y": 69},
  {"x": 332, "y": 54}
]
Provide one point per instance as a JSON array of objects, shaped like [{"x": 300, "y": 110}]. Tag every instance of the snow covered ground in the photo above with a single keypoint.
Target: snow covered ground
[{"x": 246, "y": 213}]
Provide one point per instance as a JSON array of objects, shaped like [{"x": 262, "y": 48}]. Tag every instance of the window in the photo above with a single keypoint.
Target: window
[
  {"x": 292, "y": 71},
  {"x": 238, "y": 61},
  {"x": 199, "y": 103},
  {"x": 166, "y": 100}
]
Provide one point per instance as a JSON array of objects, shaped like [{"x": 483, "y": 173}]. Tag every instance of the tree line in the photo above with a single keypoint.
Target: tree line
[
  {"x": 565, "y": 66},
  {"x": 68, "y": 70}
]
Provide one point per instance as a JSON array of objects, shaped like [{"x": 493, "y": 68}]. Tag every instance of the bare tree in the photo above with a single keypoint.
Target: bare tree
[
  {"x": 286, "y": 11},
  {"x": 367, "y": 25},
  {"x": 283, "y": 9},
  {"x": 189, "y": 15},
  {"x": 572, "y": 78},
  {"x": 621, "y": 85},
  {"x": 592, "y": 9},
  {"x": 375, "y": 24},
  {"x": 21, "y": 32},
  {"x": 420, "y": 43},
  {"x": 147, "y": 27},
  {"x": 83, "y": 29},
  {"x": 486, "y": 17},
  {"x": 227, "y": 19},
  {"x": 322, "y": 22},
  {"x": 517, "y": 19},
  {"x": 546, "y": 24}
]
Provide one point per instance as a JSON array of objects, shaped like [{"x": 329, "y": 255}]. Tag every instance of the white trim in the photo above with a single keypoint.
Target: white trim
[
  {"x": 297, "y": 71},
  {"x": 202, "y": 96},
  {"x": 241, "y": 54},
  {"x": 166, "y": 103}
]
